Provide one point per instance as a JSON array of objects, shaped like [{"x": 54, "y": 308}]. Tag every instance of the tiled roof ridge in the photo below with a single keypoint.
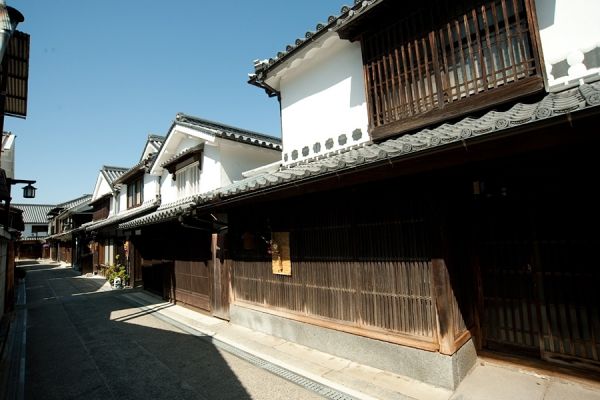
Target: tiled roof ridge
[
  {"x": 347, "y": 12},
  {"x": 29, "y": 205},
  {"x": 181, "y": 117},
  {"x": 114, "y": 168},
  {"x": 552, "y": 105},
  {"x": 155, "y": 137}
]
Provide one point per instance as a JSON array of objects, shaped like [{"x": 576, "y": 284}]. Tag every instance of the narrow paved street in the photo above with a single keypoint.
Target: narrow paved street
[{"x": 86, "y": 341}]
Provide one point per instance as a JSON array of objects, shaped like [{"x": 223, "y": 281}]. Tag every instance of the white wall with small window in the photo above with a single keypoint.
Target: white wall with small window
[{"x": 194, "y": 161}]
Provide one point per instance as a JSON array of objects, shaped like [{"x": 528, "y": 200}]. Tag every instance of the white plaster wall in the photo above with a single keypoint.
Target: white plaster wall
[
  {"x": 168, "y": 190},
  {"x": 210, "y": 176},
  {"x": 28, "y": 232},
  {"x": 568, "y": 30},
  {"x": 151, "y": 189},
  {"x": 237, "y": 158},
  {"x": 120, "y": 201},
  {"x": 322, "y": 98}
]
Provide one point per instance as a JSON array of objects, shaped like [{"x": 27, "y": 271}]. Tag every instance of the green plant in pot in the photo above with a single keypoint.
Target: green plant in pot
[{"x": 117, "y": 270}]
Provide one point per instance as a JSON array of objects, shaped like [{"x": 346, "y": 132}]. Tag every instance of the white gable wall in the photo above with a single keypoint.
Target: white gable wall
[
  {"x": 102, "y": 187},
  {"x": 237, "y": 158},
  {"x": 570, "y": 35},
  {"x": 322, "y": 98}
]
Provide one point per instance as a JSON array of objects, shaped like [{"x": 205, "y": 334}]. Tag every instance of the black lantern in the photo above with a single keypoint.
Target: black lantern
[{"x": 29, "y": 191}]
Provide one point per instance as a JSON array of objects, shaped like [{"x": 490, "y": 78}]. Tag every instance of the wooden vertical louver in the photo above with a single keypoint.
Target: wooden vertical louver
[{"x": 442, "y": 61}]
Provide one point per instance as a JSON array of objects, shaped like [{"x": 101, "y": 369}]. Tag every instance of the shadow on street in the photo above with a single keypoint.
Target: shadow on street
[{"x": 86, "y": 342}]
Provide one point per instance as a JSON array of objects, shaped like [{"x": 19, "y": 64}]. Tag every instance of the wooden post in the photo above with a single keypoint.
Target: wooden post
[
  {"x": 444, "y": 298},
  {"x": 220, "y": 295}
]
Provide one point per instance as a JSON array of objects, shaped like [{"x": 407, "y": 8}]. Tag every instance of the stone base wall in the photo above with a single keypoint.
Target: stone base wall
[{"x": 426, "y": 366}]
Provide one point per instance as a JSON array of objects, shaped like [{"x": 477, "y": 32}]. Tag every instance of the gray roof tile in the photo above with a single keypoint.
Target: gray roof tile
[
  {"x": 165, "y": 212},
  {"x": 228, "y": 132},
  {"x": 156, "y": 141},
  {"x": 34, "y": 213},
  {"x": 70, "y": 204},
  {"x": 111, "y": 174},
  {"x": 124, "y": 216}
]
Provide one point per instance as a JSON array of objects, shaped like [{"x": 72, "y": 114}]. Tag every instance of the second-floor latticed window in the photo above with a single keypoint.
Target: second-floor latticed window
[
  {"x": 447, "y": 59},
  {"x": 188, "y": 180},
  {"x": 135, "y": 192}
]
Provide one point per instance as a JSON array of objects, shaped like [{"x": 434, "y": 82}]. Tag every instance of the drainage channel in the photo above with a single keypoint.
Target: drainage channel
[{"x": 309, "y": 384}]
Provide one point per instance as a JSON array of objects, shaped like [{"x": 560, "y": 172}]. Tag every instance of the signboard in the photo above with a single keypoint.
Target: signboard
[{"x": 280, "y": 253}]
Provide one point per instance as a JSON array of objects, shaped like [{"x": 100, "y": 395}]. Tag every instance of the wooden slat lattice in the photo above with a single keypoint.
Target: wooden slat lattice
[
  {"x": 429, "y": 59},
  {"x": 367, "y": 275}
]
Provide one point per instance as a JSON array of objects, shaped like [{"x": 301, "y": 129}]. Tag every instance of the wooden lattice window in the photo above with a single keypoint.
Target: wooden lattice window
[
  {"x": 135, "y": 192},
  {"x": 445, "y": 60}
]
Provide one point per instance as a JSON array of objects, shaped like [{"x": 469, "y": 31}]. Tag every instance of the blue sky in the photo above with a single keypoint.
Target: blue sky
[{"x": 105, "y": 74}]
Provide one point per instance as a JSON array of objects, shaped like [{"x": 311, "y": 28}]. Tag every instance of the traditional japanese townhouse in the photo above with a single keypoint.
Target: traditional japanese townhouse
[
  {"x": 71, "y": 241},
  {"x": 33, "y": 238},
  {"x": 63, "y": 219},
  {"x": 172, "y": 254},
  {"x": 101, "y": 202},
  {"x": 431, "y": 205},
  {"x": 119, "y": 197}
]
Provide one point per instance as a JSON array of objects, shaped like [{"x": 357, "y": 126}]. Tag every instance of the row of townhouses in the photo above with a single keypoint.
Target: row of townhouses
[{"x": 425, "y": 205}]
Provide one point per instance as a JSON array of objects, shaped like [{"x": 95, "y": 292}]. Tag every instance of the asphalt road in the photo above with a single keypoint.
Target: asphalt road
[{"x": 86, "y": 342}]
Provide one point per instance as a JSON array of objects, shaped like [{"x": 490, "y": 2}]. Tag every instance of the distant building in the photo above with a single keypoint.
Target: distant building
[{"x": 30, "y": 244}]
